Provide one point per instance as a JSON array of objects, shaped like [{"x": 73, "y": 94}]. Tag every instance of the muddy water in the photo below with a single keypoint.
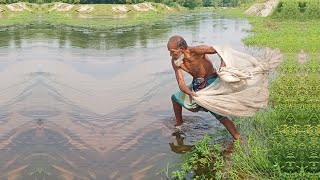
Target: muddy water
[{"x": 81, "y": 104}]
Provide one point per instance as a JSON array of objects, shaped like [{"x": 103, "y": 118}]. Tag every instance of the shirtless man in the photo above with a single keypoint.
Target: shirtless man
[{"x": 194, "y": 61}]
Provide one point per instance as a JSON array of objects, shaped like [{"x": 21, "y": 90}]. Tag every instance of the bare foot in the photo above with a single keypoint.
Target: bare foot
[
  {"x": 241, "y": 141},
  {"x": 228, "y": 148},
  {"x": 178, "y": 127}
]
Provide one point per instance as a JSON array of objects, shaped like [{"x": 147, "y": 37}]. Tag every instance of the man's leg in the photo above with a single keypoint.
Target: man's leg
[
  {"x": 230, "y": 127},
  {"x": 177, "y": 108}
]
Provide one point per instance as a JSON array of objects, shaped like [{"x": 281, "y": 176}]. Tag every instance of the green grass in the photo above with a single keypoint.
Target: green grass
[
  {"x": 290, "y": 36},
  {"x": 298, "y": 9},
  {"x": 10, "y": 19}
]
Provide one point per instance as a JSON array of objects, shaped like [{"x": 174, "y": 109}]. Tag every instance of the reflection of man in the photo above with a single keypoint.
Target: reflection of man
[
  {"x": 181, "y": 148},
  {"x": 194, "y": 61}
]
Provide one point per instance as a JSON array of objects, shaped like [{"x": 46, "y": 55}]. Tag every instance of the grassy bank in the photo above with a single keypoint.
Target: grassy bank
[
  {"x": 9, "y": 18},
  {"x": 283, "y": 141},
  {"x": 103, "y": 16},
  {"x": 95, "y": 16}
]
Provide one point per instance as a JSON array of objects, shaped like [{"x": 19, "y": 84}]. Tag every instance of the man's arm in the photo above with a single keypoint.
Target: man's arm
[
  {"x": 179, "y": 76},
  {"x": 202, "y": 49}
]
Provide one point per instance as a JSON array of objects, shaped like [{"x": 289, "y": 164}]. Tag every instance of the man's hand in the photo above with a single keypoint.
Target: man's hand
[{"x": 193, "y": 94}]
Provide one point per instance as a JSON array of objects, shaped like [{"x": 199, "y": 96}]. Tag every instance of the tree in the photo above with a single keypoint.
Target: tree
[
  {"x": 191, "y": 4},
  {"x": 207, "y": 3}
]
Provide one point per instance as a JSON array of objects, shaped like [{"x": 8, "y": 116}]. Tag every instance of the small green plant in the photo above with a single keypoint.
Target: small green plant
[{"x": 204, "y": 161}]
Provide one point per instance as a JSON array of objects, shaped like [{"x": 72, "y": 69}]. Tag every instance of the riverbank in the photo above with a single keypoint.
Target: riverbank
[
  {"x": 96, "y": 16},
  {"x": 109, "y": 16},
  {"x": 12, "y": 15}
]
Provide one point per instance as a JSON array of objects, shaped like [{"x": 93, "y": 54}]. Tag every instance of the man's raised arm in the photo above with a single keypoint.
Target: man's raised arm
[{"x": 202, "y": 49}]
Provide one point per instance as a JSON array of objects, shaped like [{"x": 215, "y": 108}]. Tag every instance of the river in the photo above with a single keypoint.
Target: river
[{"x": 85, "y": 104}]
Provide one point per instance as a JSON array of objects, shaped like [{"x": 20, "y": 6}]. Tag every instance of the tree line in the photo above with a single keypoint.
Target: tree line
[{"x": 186, "y": 3}]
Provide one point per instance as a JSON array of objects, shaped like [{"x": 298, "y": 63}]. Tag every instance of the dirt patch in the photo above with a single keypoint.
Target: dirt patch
[
  {"x": 262, "y": 9},
  {"x": 85, "y": 8},
  {"x": 144, "y": 7},
  {"x": 1, "y": 10},
  {"x": 18, "y": 7},
  {"x": 121, "y": 8},
  {"x": 167, "y": 7},
  {"x": 61, "y": 7},
  {"x": 271, "y": 25},
  {"x": 302, "y": 57}
]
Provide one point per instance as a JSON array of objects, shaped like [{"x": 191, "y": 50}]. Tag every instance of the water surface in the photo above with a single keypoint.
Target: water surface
[{"x": 83, "y": 104}]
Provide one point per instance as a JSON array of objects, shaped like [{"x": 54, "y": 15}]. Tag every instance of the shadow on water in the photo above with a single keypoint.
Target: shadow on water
[{"x": 180, "y": 147}]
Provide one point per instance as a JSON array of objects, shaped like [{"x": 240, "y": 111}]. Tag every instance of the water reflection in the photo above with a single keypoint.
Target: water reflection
[
  {"x": 83, "y": 104},
  {"x": 180, "y": 148},
  {"x": 68, "y": 37},
  {"x": 142, "y": 37}
]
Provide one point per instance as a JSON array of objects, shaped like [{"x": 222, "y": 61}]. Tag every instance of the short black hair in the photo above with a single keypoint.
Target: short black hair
[{"x": 182, "y": 43}]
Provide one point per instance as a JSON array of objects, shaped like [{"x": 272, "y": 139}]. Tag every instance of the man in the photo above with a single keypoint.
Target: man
[{"x": 194, "y": 61}]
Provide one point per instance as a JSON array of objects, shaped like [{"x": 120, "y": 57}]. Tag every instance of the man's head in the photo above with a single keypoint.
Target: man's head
[{"x": 177, "y": 45}]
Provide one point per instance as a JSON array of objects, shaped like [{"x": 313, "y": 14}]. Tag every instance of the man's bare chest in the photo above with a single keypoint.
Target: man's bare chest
[{"x": 193, "y": 67}]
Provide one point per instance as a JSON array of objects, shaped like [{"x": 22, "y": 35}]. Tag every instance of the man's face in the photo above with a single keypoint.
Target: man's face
[{"x": 175, "y": 52}]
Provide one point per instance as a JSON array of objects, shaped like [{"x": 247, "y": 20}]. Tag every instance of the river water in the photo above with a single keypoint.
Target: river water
[{"x": 83, "y": 104}]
